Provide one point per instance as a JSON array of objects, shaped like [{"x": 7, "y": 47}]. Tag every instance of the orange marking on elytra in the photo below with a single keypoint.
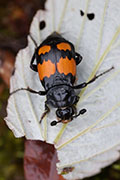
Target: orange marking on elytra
[
  {"x": 46, "y": 69},
  {"x": 66, "y": 66},
  {"x": 64, "y": 46},
  {"x": 44, "y": 49}
]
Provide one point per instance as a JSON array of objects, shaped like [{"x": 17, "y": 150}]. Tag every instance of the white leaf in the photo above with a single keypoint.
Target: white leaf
[{"x": 91, "y": 141}]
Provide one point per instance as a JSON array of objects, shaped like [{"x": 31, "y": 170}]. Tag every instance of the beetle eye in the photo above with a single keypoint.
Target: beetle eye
[{"x": 58, "y": 113}]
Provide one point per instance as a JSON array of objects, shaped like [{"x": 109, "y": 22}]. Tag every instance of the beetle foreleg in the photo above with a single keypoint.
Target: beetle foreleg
[
  {"x": 33, "y": 66},
  {"x": 80, "y": 86},
  {"x": 47, "y": 110},
  {"x": 42, "y": 93}
]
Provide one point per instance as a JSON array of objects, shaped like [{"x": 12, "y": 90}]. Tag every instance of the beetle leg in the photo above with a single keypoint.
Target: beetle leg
[
  {"x": 78, "y": 58},
  {"x": 33, "y": 66},
  {"x": 47, "y": 110},
  {"x": 75, "y": 109},
  {"x": 33, "y": 40},
  {"x": 80, "y": 86},
  {"x": 42, "y": 93}
]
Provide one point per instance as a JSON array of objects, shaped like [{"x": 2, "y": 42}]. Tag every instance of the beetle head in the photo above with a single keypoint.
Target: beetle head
[{"x": 64, "y": 115}]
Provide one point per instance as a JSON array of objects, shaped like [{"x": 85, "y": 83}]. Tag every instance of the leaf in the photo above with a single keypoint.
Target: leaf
[
  {"x": 91, "y": 141},
  {"x": 40, "y": 161}
]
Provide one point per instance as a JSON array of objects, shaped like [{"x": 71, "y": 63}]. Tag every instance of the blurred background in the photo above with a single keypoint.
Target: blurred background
[{"x": 15, "y": 19}]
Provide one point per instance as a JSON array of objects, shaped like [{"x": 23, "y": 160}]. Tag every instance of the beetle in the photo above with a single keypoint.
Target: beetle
[{"x": 55, "y": 60}]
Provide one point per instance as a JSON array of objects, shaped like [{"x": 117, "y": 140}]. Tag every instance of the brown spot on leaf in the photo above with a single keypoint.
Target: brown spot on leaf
[{"x": 40, "y": 160}]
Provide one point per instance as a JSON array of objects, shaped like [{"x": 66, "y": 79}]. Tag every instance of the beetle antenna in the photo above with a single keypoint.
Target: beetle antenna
[
  {"x": 82, "y": 111},
  {"x": 53, "y": 123}
]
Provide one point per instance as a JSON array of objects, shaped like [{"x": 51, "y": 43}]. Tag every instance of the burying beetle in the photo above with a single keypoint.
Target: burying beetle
[{"x": 55, "y": 60}]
